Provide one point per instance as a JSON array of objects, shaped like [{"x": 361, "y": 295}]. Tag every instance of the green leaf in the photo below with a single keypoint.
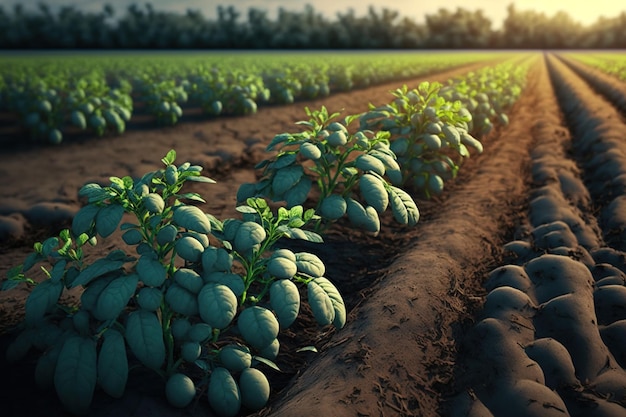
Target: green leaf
[
  {"x": 115, "y": 296},
  {"x": 49, "y": 245},
  {"x": 321, "y": 304},
  {"x": 169, "y": 158},
  {"x": 285, "y": 301},
  {"x": 84, "y": 218},
  {"x": 368, "y": 163},
  {"x": 249, "y": 235},
  {"x": 153, "y": 203},
  {"x": 96, "y": 269},
  {"x": 217, "y": 305},
  {"x": 286, "y": 178},
  {"x": 150, "y": 270},
  {"x": 333, "y": 207},
  {"x": 224, "y": 395},
  {"x": 374, "y": 192},
  {"x": 404, "y": 209},
  {"x": 258, "y": 326},
  {"x": 144, "y": 336},
  {"x": 189, "y": 248},
  {"x": 42, "y": 300},
  {"x": 297, "y": 195},
  {"x": 202, "y": 179},
  {"x": 339, "y": 307},
  {"x": 75, "y": 374},
  {"x": 108, "y": 218},
  {"x": 294, "y": 233},
  {"x": 278, "y": 139},
  {"x": 182, "y": 301},
  {"x": 192, "y": 218},
  {"x": 309, "y": 264},
  {"x": 113, "y": 364}
]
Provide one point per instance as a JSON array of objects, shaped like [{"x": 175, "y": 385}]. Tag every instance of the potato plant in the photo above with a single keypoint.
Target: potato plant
[
  {"x": 198, "y": 297},
  {"x": 428, "y": 133},
  {"x": 487, "y": 93},
  {"x": 163, "y": 100},
  {"x": 352, "y": 172}
]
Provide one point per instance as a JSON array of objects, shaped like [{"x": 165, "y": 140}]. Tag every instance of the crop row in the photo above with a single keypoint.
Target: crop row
[
  {"x": 550, "y": 339},
  {"x": 206, "y": 298},
  {"x": 56, "y": 94},
  {"x": 610, "y": 63}
]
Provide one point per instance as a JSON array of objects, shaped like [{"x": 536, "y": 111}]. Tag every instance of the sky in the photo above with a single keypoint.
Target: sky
[{"x": 583, "y": 11}]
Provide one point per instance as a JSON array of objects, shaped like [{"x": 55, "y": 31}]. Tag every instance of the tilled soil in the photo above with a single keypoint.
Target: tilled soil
[{"x": 416, "y": 342}]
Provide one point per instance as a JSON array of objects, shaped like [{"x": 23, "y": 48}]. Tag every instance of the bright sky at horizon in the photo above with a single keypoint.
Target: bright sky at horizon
[{"x": 583, "y": 11}]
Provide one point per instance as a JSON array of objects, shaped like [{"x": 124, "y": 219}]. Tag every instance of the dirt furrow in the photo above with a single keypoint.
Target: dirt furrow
[
  {"x": 607, "y": 85},
  {"x": 547, "y": 340}
]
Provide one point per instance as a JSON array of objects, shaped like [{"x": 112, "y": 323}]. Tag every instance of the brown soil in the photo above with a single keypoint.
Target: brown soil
[{"x": 412, "y": 293}]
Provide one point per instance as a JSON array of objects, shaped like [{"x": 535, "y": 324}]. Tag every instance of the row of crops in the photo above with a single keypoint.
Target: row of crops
[
  {"x": 154, "y": 311},
  {"x": 56, "y": 94},
  {"x": 610, "y": 63}
]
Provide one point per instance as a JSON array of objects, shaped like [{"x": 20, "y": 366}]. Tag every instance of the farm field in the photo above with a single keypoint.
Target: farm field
[{"x": 506, "y": 298}]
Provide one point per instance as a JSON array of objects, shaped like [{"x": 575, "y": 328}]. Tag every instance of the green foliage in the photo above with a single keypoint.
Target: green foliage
[
  {"x": 194, "y": 294},
  {"x": 346, "y": 168},
  {"x": 429, "y": 135}
]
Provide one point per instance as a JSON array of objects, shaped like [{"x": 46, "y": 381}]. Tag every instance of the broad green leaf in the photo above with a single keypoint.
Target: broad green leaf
[
  {"x": 231, "y": 280},
  {"x": 339, "y": 319},
  {"x": 150, "y": 270},
  {"x": 49, "y": 245},
  {"x": 278, "y": 139},
  {"x": 217, "y": 305},
  {"x": 321, "y": 304},
  {"x": 113, "y": 364},
  {"x": 281, "y": 268},
  {"x": 58, "y": 271},
  {"x": 294, "y": 233},
  {"x": 224, "y": 395},
  {"x": 248, "y": 236},
  {"x": 368, "y": 163},
  {"x": 333, "y": 207},
  {"x": 144, "y": 336},
  {"x": 374, "y": 192},
  {"x": 182, "y": 301},
  {"x": 404, "y": 209},
  {"x": 309, "y": 264},
  {"x": 89, "y": 297},
  {"x": 189, "y": 248},
  {"x": 235, "y": 357},
  {"x": 363, "y": 217},
  {"x": 108, "y": 218},
  {"x": 75, "y": 374},
  {"x": 286, "y": 178},
  {"x": 189, "y": 280},
  {"x": 84, "y": 218},
  {"x": 246, "y": 190},
  {"x": 192, "y": 218},
  {"x": 115, "y": 296},
  {"x": 42, "y": 300},
  {"x": 284, "y": 160},
  {"x": 297, "y": 195},
  {"x": 258, "y": 326},
  {"x": 153, "y": 203},
  {"x": 285, "y": 301},
  {"x": 96, "y": 269},
  {"x": 46, "y": 365}
]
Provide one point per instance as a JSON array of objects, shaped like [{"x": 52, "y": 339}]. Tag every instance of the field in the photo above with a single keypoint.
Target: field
[{"x": 505, "y": 299}]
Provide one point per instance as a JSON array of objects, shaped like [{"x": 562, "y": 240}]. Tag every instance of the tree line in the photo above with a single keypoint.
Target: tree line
[{"x": 145, "y": 27}]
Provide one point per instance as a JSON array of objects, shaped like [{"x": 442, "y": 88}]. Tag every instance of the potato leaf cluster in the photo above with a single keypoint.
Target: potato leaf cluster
[
  {"x": 488, "y": 94},
  {"x": 163, "y": 99},
  {"x": 353, "y": 173},
  {"x": 195, "y": 294},
  {"x": 429, "y": 134}
]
